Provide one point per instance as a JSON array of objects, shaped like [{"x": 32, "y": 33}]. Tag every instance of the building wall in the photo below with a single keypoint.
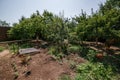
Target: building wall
[{"x": 3, "y": 33}]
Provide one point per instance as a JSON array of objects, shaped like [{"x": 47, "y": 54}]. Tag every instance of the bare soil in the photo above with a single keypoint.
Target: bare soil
[
  {"x": 4, "y": 53},
  {"x": 39, "y": 66}
]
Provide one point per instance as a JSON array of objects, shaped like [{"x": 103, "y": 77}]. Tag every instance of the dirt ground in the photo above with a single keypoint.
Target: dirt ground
[{"x": 39, "y": 66}]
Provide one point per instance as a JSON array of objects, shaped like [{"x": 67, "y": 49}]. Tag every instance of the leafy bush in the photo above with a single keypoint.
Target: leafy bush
[
  {"x": 1, "y": 48},
  {"x": 94, "y": 71}
]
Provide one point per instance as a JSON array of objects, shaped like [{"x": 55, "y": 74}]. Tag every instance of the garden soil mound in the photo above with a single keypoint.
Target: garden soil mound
[{"x": 41, "y": 66}]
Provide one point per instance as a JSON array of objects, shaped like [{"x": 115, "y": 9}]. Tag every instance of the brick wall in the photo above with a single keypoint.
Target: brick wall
[{"x": 3, "y": 33}]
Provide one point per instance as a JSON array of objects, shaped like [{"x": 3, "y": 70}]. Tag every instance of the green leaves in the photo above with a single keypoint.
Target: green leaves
[
  {"x": 94, "y": 71},
  {"x": 99, "y": 24}
]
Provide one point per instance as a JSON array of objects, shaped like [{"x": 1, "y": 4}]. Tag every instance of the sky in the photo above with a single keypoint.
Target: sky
[{"x": 12, "y": 10}]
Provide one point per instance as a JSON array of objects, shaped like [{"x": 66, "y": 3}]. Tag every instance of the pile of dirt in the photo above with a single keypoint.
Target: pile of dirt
[{"x": 40, "y": 66}]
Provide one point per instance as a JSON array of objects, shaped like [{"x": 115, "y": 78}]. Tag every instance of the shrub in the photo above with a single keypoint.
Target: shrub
[{"x": 94, "y": 71}]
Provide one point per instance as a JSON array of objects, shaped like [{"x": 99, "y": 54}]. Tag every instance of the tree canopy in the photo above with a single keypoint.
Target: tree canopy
[{"x": 100, "y": 25}]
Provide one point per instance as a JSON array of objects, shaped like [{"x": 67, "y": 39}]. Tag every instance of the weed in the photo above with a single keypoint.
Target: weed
[
  {"x": 16, "y": 75},
  {"x": 54, "y": 50},
  {"x": 14, "y": 48},
  {"x": 15, "y": 71},
  {"x": 72, "y": 65},
  {"x": 24, "y": 59},
  {"x": 65, "y": 77},
  {"x": 14, "y": 67}
]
